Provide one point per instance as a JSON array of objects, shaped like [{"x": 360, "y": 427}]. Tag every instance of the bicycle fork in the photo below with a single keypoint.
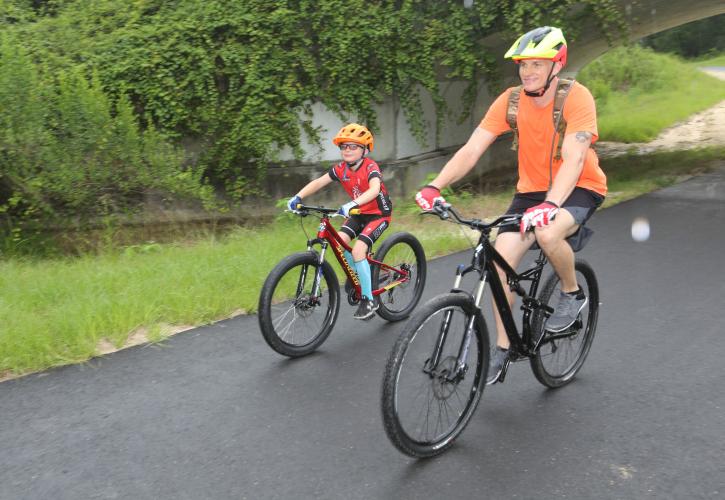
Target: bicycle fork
[
  {"x": 460, "y": 369},
  {"x": 315, "y": 291}
]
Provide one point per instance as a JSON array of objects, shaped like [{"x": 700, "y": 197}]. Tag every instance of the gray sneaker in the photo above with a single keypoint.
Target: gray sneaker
[
  {"x": 566, "y": 311},
  {"x": 366, "y": 309},
  {"x": 499, "y": 358}
]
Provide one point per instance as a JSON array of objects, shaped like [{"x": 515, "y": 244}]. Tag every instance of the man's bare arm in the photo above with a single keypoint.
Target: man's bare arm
[{"x": 573, "y": 151}]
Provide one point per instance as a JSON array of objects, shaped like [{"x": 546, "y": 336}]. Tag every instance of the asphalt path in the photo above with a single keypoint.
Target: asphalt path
[{"x": 214, "y": 413}]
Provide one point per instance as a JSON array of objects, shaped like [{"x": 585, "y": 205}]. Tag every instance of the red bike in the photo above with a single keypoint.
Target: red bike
[{"x": 300, "y": 298}]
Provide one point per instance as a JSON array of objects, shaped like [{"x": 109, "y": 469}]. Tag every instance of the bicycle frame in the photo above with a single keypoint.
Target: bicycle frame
[
  {"x": 484, "y": 261},
  {"x": 327, "y": 236}
]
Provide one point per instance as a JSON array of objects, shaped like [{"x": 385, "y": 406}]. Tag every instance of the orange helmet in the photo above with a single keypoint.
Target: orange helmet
[{"x": 354, "y": 132}]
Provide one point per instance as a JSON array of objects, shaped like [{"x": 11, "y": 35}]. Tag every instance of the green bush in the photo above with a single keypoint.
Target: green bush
[
  {"x": 238, "y": 79},
  {"x": 630, "y": 85},
  {"x": 631, "y": 68},
  {"x": 69, "y": 152}
]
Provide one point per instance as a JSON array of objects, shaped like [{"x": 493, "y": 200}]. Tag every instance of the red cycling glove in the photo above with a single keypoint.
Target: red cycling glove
[
  {"x": 427, "y": 197},
  {"x": 539, "y": 216}
]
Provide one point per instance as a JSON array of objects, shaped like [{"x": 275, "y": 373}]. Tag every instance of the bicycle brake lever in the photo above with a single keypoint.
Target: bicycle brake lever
[{"x": 441, "y": 209}]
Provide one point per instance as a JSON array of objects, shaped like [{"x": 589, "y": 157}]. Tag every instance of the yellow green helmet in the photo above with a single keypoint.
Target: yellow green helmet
[{"x": 541, "y": 43}]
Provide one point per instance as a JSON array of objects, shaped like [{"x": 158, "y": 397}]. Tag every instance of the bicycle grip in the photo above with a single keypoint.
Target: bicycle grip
[{"x": 354, "y": 211}]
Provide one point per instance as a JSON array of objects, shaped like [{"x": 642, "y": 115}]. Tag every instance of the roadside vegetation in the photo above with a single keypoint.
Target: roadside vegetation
[
  {"x": 631, "y": 84},
  {"x": 66, "y": 310},
  {"x": 109, "y": 109}
]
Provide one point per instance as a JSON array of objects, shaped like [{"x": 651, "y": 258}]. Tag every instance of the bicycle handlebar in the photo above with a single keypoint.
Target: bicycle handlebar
[
  {"x": 445, "y": 210},
  {"x": 303, "y": 209}
]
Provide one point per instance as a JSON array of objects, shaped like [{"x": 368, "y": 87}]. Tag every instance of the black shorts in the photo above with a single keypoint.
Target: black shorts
[
  {"x": 367, "y": 228},
  {"x": 581, "y": 204}
]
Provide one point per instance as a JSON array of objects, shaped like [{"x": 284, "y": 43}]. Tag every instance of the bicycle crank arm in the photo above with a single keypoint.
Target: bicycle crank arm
[{"x": 570, "y": 332}]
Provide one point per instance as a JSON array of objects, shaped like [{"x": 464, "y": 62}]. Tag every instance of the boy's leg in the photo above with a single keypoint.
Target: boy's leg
[
  {"x": 348, "y": 256},
  {"x": 348, "y": 232},
  {"x": 363, "y": 245},
  {"x": 367, "y": 307},
  {"x": 362, "y": 266}
]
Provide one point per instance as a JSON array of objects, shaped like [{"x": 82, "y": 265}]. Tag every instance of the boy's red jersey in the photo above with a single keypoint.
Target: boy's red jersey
[{"x": 356, "y": 182}]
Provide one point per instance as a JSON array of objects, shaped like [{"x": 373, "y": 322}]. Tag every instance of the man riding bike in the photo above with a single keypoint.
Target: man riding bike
[{"x": 556, "y": 193}]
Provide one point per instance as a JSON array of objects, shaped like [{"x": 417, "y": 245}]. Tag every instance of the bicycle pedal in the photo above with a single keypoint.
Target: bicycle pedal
[{"x": 504, "y": 369}]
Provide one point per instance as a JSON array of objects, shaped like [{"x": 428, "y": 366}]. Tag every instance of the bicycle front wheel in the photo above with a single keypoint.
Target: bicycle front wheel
[
  {"x": 561, "y": 355},
  {"x": 400, "y": 251},
  {"x": 294, "y": 320},
  {"x": 428, "y": 398}
]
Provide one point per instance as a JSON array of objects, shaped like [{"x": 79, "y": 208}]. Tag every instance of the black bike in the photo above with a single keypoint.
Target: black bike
[{"x": 436, "y": 372}]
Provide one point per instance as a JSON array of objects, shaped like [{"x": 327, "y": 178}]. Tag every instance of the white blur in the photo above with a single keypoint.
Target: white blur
[{"x": 640, "y": 229}]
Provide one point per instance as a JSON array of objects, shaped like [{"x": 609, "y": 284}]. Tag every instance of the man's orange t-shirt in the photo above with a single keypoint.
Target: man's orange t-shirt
[{"x": 536, "y": 129}]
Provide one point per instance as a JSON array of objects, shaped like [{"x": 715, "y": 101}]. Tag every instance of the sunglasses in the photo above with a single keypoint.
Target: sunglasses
[{"x": 351, "y": 147}]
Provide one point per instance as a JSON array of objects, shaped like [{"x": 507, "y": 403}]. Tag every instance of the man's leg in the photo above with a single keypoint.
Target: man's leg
[
  {"x": 552, "y": 239},
  {"x": 512, "y": 248}
]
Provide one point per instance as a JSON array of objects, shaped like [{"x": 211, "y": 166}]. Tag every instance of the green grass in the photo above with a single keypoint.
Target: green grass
[
  {"x": 55, "y": 312},
  {"x": 629, "y": 176},
  {"x": 63, "y": 310},
  {"x": 639, "y": 93},
  {"x": 646, "y": 115},
  {"x": 709, "y": 61}
]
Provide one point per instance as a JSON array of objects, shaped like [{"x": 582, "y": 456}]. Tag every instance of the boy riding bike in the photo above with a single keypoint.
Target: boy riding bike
[
  {"x": 362, "y": 179},
  {"x": 556, "y": 192}
]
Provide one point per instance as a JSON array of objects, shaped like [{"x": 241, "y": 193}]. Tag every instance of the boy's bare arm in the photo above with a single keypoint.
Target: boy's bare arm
[{"x": 371, "y": 192}]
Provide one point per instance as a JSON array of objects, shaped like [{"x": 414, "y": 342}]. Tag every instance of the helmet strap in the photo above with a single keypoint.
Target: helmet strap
[
  {"x": 354, "y": 165},
  {"x": 542, "y": 90}
]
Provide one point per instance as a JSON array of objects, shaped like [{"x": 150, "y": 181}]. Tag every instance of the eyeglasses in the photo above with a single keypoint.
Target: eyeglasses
[{"x": 351, "y": 147}]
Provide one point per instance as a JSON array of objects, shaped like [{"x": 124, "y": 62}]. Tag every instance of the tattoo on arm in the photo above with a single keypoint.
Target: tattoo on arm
[{"x": 583, "y": 136}]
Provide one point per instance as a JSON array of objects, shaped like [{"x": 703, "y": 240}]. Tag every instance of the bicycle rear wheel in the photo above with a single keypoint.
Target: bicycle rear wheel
[
  {"x": 425, "y": 408},
  {"x": 293, "y": 321},
  {"x": 561, "y": 355},
  {"x": 401, "y": 251}
]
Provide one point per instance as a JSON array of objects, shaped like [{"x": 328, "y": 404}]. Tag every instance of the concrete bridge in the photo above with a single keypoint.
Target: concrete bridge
[{"x": 406, "y": 163}]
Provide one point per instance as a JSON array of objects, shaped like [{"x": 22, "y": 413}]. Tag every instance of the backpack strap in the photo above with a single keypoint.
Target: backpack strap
[
  {"x": 563, "y": 87},
  {"x": 562, "y": 91},
  {"x": 511, "y": 112}
]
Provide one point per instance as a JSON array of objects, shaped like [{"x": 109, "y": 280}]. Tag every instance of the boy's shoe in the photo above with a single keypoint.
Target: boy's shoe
[
  {"x": 566, "y": 311},
  {"x": 366, "y": 309},
  {"x": 499, "y": 357}
]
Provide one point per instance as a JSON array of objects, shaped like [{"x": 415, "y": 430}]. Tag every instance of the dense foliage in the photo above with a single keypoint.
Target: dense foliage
[
  {"x": 69, "y": 153},
  {"x": 233, "y": 82},
  {"x": 699, "y": 38}
]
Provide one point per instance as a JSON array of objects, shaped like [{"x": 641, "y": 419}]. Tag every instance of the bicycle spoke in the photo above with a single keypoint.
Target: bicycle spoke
[
  {"x": 561, "y": 355},
  {"x": 294, "y": 321},
  {"x": 401, "y": 279},
  {"x": 429, "y": 405}
]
